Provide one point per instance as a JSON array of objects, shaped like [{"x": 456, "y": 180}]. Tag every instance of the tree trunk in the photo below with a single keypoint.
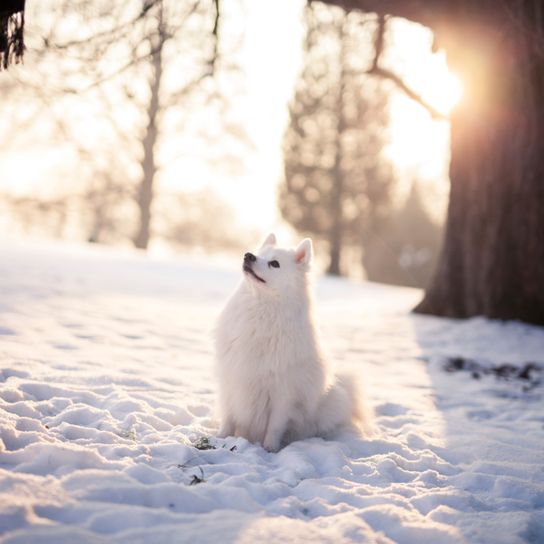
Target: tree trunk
[
  {"x": 334, "y": 259},
  {"x": 492, "y": 262},
  {"x": 149, "y": 168},
  {"x": 337, "y": 211}
]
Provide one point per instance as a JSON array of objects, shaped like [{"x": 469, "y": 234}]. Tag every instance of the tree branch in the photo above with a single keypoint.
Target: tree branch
[
  {"x": 375, "y": 69},
  {"x": 113, "y": 34},
  {"x": 378, "y": 41},
  {"x": 391, "y": 76},
  {"x": 215, "y": 33},
  {"x": 431, "y": 13}
]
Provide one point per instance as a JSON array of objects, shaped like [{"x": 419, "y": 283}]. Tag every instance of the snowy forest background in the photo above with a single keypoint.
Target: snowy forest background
[{"x": 155, "y": 125}]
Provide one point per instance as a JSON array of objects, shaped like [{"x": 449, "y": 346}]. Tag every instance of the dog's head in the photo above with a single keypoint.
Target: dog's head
[{"x": 273, "y": 269}]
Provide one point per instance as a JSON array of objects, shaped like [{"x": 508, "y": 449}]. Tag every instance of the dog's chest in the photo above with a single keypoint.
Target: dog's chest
[
  {"x": 261, "y": 338},
  {"x": 264, "y": 337}
]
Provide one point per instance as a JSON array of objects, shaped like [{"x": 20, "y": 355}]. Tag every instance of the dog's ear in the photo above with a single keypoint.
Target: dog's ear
[
  {"x": 270, "y": 240},
  {"x": 303, "y": 253}
]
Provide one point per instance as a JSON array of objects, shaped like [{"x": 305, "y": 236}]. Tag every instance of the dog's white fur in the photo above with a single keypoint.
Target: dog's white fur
[{"x": 274, "y": 383}]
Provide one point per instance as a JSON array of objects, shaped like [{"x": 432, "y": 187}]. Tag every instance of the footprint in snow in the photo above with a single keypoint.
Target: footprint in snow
[
  {"x": 65, "y": 347},
  {"x": 391, "y": 409}
]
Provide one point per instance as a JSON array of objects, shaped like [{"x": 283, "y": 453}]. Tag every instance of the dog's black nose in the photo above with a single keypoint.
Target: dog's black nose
[{"x": 249, "y": 257}]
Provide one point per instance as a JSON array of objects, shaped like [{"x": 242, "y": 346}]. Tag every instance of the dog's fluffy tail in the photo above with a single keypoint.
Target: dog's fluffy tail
[{"x": 342, "y": 406}]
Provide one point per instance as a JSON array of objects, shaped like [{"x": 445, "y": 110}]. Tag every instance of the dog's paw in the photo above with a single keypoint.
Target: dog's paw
[
  {"x": 273, "y": 446},
  {"x": 226, "y": 429}
]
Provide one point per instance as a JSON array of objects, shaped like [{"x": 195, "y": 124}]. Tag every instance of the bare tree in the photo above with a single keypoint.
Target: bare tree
[
  {"x": 166, "y": 28},
  {"x": 136, "y": 65}
]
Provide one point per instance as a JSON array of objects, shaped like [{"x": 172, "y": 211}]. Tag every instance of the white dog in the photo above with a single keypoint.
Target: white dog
[{"x": 274, "y": 384}]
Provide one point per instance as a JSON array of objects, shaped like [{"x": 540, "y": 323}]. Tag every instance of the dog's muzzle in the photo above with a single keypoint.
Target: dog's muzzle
[{"x": 249, "y": 259}]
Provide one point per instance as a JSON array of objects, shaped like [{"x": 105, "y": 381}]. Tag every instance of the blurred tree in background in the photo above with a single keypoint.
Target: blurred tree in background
[
  {"x": 337, "y": 182},
  {"x": 138, "y": 76}
]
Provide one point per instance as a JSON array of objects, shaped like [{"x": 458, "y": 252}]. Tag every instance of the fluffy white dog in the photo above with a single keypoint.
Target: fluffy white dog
[{"x": 274, "y": 383}]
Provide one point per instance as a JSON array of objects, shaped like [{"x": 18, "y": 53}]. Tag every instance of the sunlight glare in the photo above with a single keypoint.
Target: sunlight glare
[{"x": 448, "y": 91}]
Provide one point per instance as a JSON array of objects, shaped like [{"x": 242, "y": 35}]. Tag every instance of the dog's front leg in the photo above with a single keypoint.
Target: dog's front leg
[{"x": 277, "y": 425}]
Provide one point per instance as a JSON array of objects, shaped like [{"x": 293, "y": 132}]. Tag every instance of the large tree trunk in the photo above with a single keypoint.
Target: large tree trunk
[
  {"x": 492, "y": 261},
  {"x": 149, "y": 168}
]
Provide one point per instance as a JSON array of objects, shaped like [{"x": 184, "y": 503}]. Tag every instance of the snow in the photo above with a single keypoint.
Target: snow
[{"x": 106, "y": 382}]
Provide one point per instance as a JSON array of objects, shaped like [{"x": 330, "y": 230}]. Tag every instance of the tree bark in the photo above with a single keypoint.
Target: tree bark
[
  {"x": 149, "y": 167},
  {"x": 492, "y": 261}
]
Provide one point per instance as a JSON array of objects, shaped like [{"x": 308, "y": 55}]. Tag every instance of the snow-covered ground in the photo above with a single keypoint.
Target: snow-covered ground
[{"x": 106, "y": 383}]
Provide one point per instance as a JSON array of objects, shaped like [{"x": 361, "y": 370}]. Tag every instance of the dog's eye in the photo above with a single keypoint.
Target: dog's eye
[{"x": 274, "y": 264}]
